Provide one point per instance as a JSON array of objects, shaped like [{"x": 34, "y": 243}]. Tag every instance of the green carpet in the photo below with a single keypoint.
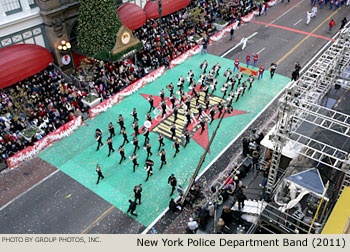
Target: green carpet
[{"x": 76, "y": 155}]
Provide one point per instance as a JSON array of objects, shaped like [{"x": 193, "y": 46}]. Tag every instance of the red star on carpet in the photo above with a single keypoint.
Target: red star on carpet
[{"x": 194, "y": 128}]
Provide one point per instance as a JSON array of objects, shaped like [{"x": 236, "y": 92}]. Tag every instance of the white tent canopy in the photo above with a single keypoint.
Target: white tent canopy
[{"x": 290, "y": 150}]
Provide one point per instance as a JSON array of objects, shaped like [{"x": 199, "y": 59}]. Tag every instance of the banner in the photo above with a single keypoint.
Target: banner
[
  {"x": 183, "y": 57},
  {"x": 107, "y": 104},
  {"x": 31, "y": 151}
]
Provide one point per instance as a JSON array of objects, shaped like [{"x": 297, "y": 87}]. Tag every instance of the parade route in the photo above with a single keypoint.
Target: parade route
[{"x": 69, "y": 201}]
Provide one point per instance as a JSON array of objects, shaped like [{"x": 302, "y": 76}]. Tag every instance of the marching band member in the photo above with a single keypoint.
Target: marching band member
[
  {"x": 171, "y": 88},
  {"x": 227, "y": 74},
  {"x": 238, "y": 93},
  {"x": 172, "y": 100},
  {"x": 173, "y": 182},
  {"x": 111, "y": 130},
  {"x": 202, "y": 124},
  {"x": 212, "y": 71},
  {"x": 148, "y": 149},
  {"x": 135, "y": 127},
  {"x": 125, "y": 136},
  {"x": 215, "y": 82},
  {"x": 176, "y": 111},
  {"x": 198, "y": 96},
  {"x": 181, "y": 82},
  {"x": 204, "y": 66},
  {"x": 163, "y": 106},
  {"x": 244, "y": 86},
  {"x": 224, "y": 89},
  {"x": 110, "y": 145},
  {"x": 217, "y": 69},
  {"x": 173, "y": 131},
  {"x": 162, "y": 94},
  {"x": 239, "y": 76},
  {"x": 134, "y": 161},
  {"x": 162, "y": 158},
  {"x": 176, "y": 145},
  {"x": 188, "y": 103},
  {"x": 121, "y": 122},
  {"x": 190, "y": 76},
  {"x": 122, "y": 153},
  {"x": 98, "y": 136},
  {"x": 148, "y": 167},
  {"x": 160, "y": 140},
  {"x": 148, "y": 117},
  {"x": 135, "y": 142},
  {"x": 207, "y": 102},
  {"x": 233, "y": 82},
  {"x": 220, "y": 108},
  {"x": 187, "y": 137},
  {"x": 146, "y": 134},
  {"x": 250, "y": 80},
  {"x": 212, "y": 114},
  {"x": 134, "y": 114},
  {"x": 188, "y": 118},
  {"x": 200, "y": 109},
  {"x": 150, "y": 100}
]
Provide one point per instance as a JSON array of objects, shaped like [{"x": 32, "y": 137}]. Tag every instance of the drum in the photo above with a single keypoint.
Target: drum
[
  {"x": 147, "y": 124},
  {"x": 223, "y": 90},
  {"x": 179, "y": 84},
  {"x": 178, "y": 92}
]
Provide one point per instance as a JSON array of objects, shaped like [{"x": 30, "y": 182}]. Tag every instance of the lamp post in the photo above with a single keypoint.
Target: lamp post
[
  {"x": 161, "y": 30},
  {"x": 65, "y": 47}
]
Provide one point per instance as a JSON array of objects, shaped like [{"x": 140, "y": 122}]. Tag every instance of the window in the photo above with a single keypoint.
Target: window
[
  {"x": 34, "y": 35},
  {"x": 12, "y": 6},
  {"x": 32, "y": 3}
]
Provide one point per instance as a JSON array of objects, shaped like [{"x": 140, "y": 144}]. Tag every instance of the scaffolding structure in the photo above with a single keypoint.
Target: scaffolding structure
[{"x": 300, "y": 105}]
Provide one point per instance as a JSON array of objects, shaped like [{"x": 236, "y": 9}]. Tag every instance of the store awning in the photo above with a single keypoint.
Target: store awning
[
  {"x": 18, "y": 62},
  {"x": 131, "y": 15},
  {"x": 168, "y": 7}
]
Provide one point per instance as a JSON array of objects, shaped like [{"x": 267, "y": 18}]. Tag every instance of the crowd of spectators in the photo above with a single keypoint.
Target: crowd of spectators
[
  {"x": 47, "y": 101},
  {"x": 185, "y": 28}
]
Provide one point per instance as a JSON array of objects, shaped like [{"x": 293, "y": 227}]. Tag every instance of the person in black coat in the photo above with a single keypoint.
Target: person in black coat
[
  {"x": 173, "y": 182},
  {"x": 241, "y": 198},
  {"x": 173, "y": 206},
  {"x": 111, "y": 129},
  {"x": 110, "y": 145},
  {"x": 137, "y": 191},
  {"x": 132, "y": 207},
  {"x": 99, "y": 173},
  {"x": 245, "y": 143},
  {"x": 295, "y": 75},
  {"x": 162, "y": 158},
  {"x": 226, "y": 215}
]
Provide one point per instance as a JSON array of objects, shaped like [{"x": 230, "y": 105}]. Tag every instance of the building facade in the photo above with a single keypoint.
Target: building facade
[
  {"x": 42, "y": 22},
  {"x": 21, "y": 22}
]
